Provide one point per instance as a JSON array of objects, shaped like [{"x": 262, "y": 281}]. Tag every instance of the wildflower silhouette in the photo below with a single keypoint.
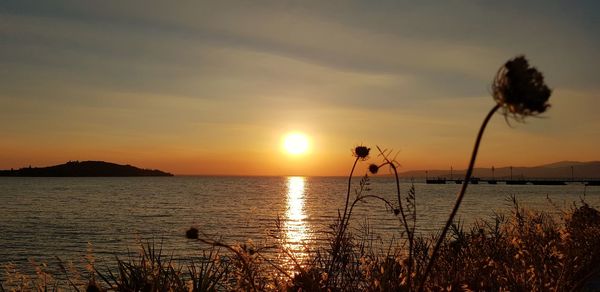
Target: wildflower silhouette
[
  {"x": 192, "y": 233},
  {"x": 361, "y": 153},
  {"x": 373, "y": 168},
  {"x": 393, "y": 164},
  {"x": 519, "y": 90}
]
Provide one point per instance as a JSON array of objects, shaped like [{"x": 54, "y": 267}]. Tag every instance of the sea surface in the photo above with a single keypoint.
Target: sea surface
[{"x": 46, "y": 219}]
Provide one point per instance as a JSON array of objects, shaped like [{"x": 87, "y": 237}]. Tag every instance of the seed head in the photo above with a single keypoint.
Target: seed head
[
  {"x": 373, "y": 168},
  {"x": 192, "y": 233},
  {"x": 361, "y": 152},
  {"x": 520, "y": 89},
  {"x": 92, "y": 287}
]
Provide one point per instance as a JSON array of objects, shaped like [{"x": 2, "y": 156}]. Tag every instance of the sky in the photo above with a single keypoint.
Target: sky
[{"x": 199, "y": 87}]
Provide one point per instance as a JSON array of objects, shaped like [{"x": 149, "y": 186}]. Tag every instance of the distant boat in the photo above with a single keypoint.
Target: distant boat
[
  {"x": 474, "y": 180},
  {"x": 492, "y": 182}
]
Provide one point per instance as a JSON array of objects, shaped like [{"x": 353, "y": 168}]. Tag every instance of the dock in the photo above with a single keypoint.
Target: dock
[{"x": 520, "y": 181}]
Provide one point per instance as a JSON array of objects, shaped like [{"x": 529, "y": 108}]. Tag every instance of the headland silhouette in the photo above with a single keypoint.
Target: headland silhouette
[{"x": 84, "y": 169}]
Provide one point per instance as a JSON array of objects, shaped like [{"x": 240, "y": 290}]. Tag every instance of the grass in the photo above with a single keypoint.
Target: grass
[{"x": 528, "y": 251}]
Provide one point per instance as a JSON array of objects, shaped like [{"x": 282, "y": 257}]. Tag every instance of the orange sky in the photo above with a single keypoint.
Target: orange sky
[{"x": 212, "y": 88}]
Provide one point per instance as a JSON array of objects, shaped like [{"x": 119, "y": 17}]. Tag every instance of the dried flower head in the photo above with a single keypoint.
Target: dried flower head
[
  {"x": 373, "y": 168},
  {"x": 520, "y": 89},
  {"x": 92, "y": 287},
  {"x": 192, "y": 233},
  {"x": 361, "y": 152}
]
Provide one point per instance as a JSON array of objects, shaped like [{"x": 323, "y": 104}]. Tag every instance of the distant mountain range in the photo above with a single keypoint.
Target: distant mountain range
[
  {"x": 558, "y": 170},
  {"x": 84, "y": 169}
]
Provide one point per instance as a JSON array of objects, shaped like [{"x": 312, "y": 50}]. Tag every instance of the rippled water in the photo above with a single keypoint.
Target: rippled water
[{"x": 41, "y": 218}]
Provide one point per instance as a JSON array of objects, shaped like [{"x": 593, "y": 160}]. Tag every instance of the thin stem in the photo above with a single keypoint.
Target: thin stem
[
  {"x": 348, "y": 191},
  {"x": 362, "y": 198},
  {"x": 343, "y": 221},
  {"x": 400, "y": 207},
  {"x": 408, "y": 232},
  {"x": 403, "y": 215},
  {"x": 459, "y": 197}
]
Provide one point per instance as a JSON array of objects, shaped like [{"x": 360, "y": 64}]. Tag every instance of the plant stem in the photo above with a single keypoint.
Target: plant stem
[
  {"x": 343, "y": 222},
  {"x": 459, "y": 197},
  {"x": 348, "y": 191},
  {"x": 400, "y": 207},
  {"x": 408, "y": 232}
]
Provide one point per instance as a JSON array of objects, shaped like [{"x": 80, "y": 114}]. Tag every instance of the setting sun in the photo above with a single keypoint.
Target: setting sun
[{"x": 295, "y": 143}]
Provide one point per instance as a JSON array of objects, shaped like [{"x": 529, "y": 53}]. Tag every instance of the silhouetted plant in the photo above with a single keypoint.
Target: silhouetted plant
[
  {"x": 393, "y": 165},
  {"x": 360, "y": 153},
  {"x": 526, "y": 251},
  {"x": 192, "y": 233},
  {"x": 519, "y": 90},
  {"x": 209, "y": 273},
  {"x": 150, "y": 271},
  {"x": 373, "y": 168},
  {"x": 343, "y": 257},
  {"x": 341, "y": 247}
]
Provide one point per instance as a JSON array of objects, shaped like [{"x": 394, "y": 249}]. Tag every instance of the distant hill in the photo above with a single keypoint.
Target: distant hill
[
  {"x": 558, "y": 170},
  {"x": 84, "y": 169}
]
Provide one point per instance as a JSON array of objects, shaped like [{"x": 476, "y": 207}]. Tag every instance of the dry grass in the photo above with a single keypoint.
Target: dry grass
[{"x": 528, "y": 251}]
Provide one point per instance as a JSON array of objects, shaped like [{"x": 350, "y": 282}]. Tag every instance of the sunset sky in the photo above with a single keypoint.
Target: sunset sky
[{"x": 195, "y": 87}]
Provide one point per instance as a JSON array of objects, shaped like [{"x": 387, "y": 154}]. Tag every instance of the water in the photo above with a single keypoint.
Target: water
[{"x": 42, "y": 218}]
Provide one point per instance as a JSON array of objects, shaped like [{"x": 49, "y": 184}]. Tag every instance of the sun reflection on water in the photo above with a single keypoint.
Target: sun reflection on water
[{"x": 296, "y": 229}]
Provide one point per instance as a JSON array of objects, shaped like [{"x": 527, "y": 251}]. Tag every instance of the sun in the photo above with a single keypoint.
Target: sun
[{"x": 295, "y": 143}]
